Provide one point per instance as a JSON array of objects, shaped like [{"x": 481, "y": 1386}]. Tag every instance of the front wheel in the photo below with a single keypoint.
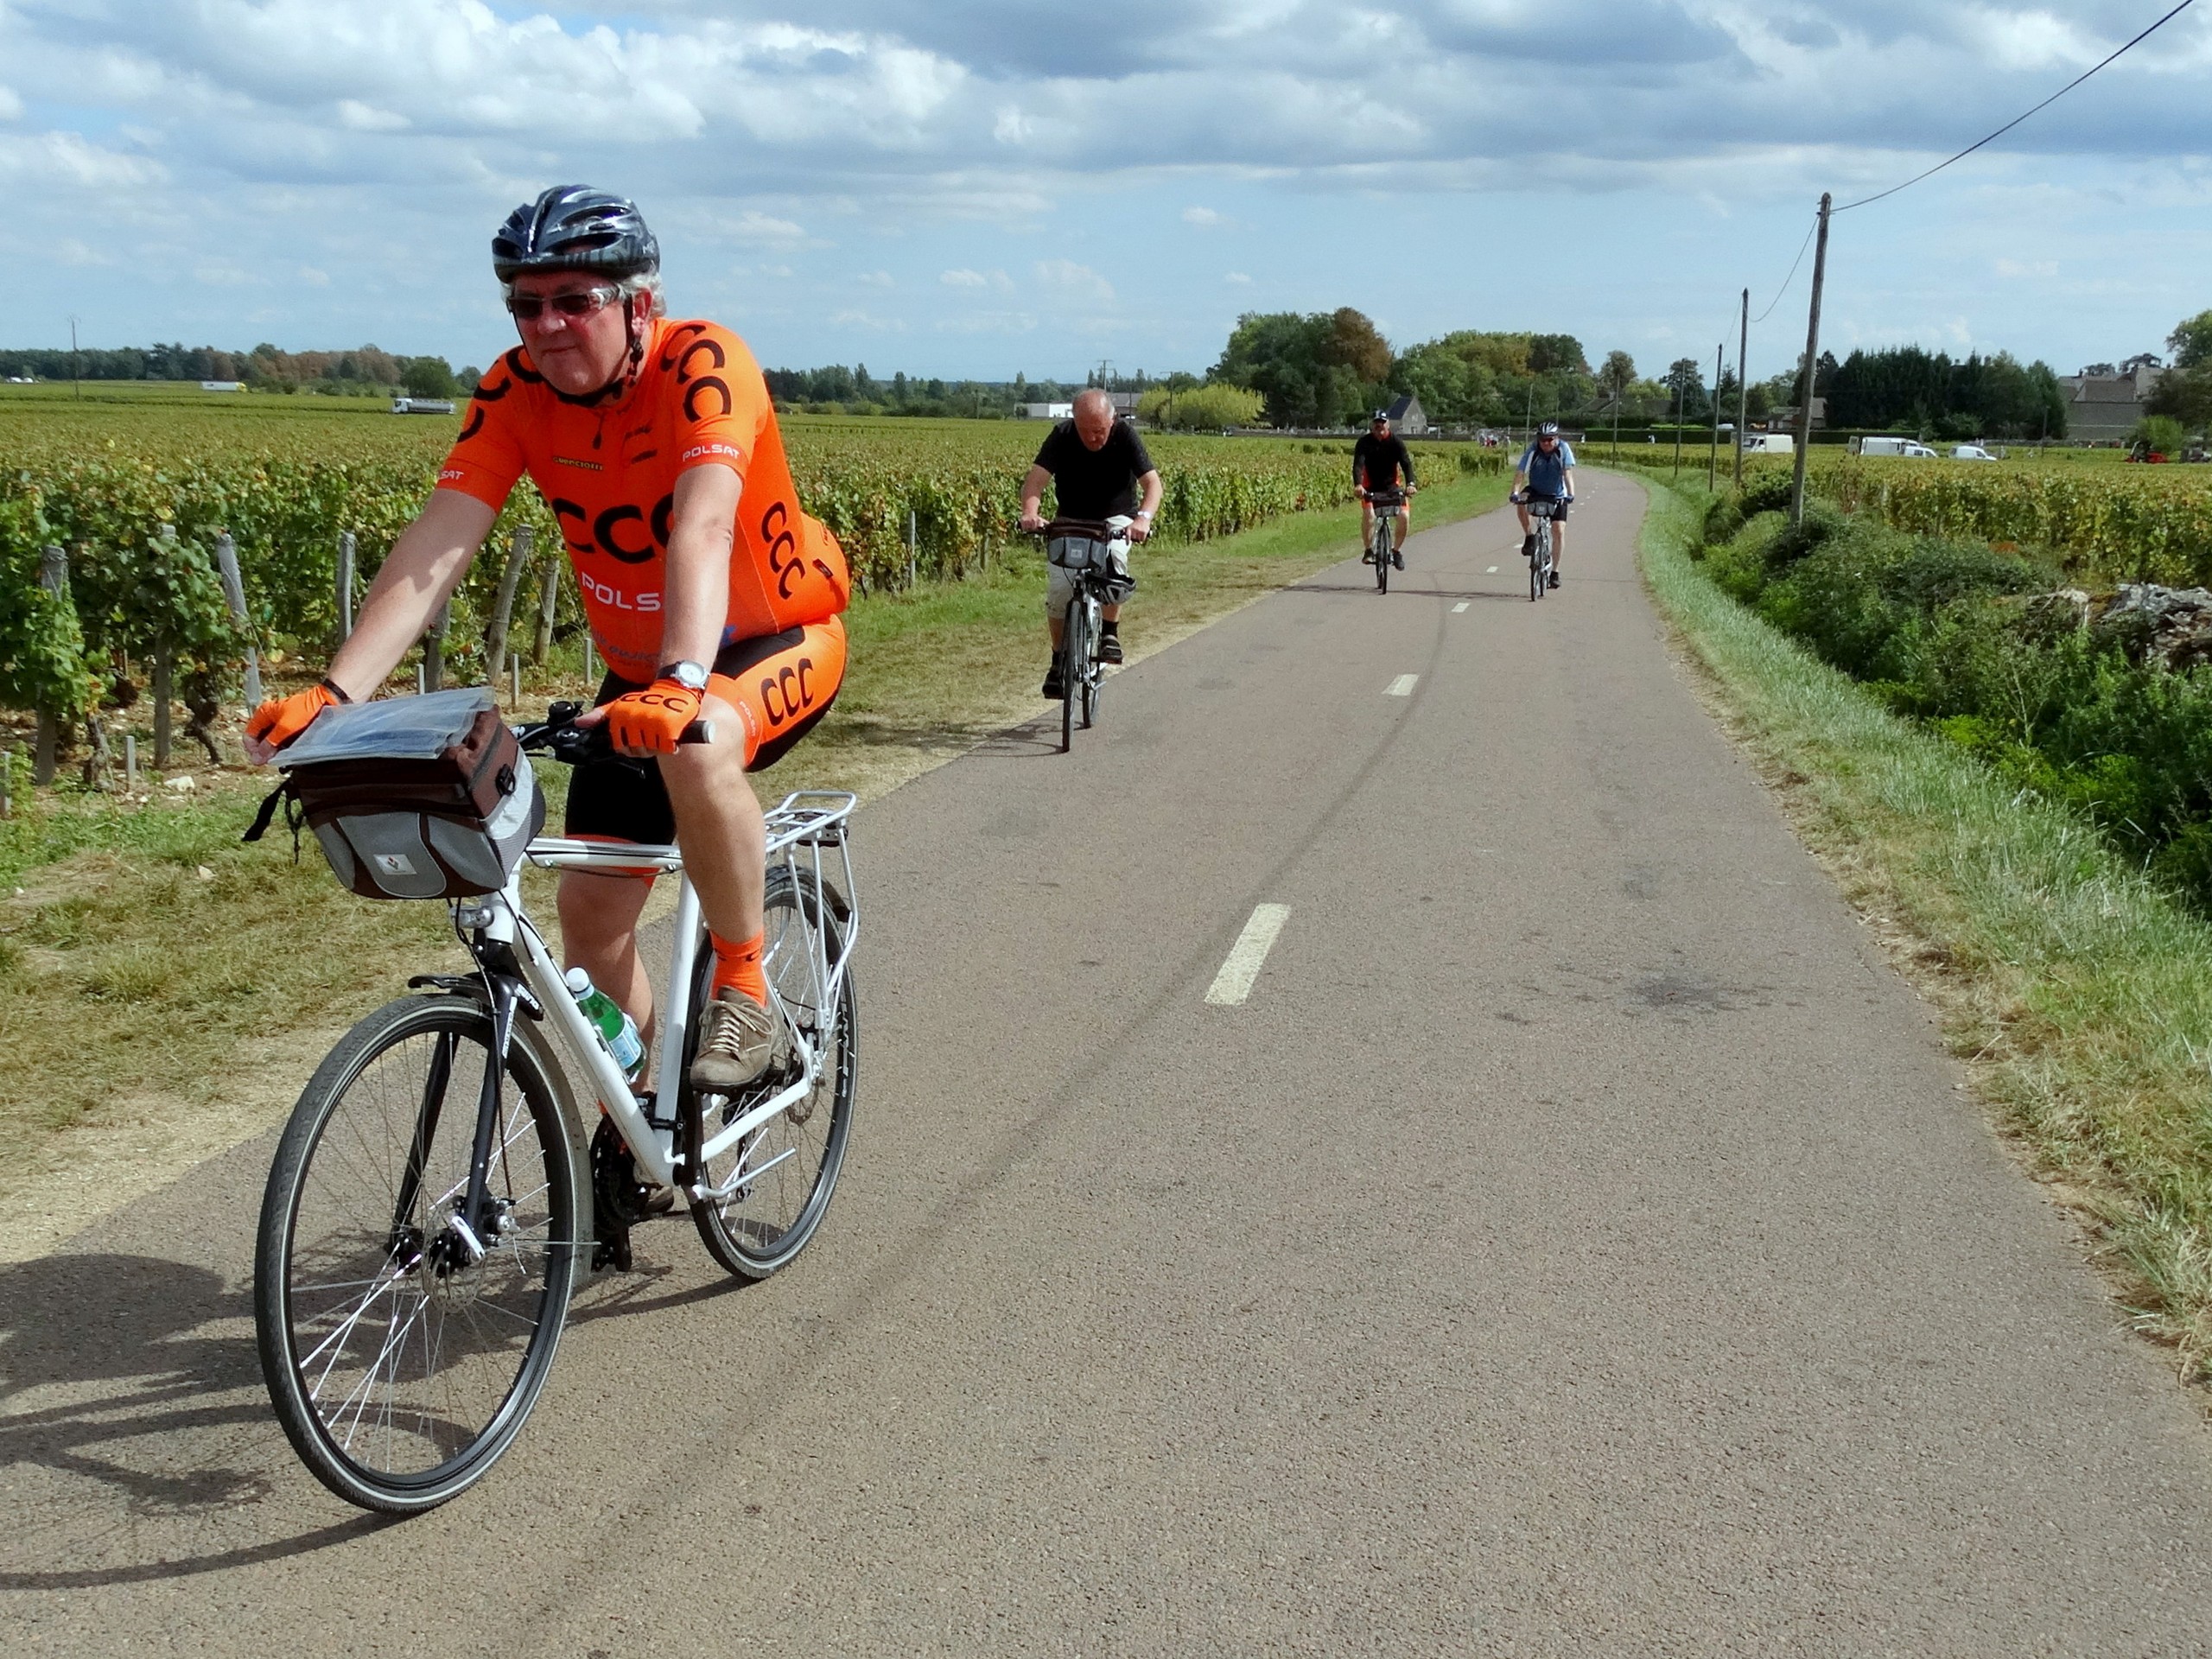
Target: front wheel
[
  {"x": 1094, "y": 672},
  {"x": 780, "y": 1176},
  {"x": 402, "y": 1361},
  {"x": 1075, "y": 663},
  {"x": 1382, "y": 553}
]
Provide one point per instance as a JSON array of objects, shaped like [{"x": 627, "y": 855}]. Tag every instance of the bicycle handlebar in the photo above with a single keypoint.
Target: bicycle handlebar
[
  {"x": 1096, "y": 530},
  {"x": 572, "y": 745}
]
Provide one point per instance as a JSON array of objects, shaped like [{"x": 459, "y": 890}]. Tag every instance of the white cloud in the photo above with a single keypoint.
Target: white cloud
[
  {"x": 358, "y": 116},
  {"x": 1238, "y": 278},
  {"x": 854, "y": 319},
  {"x": 876, "y": 279},
  {"x": 1069, "y": 278},
  {"x": 71, "y": 250},
  {"x": 1204, "y": 218},
  {"x": 314, "y": 278},
  {"x": 2027, "y": 268},
  {"x": 11, "y": 106},
  {"x": 964, "y": 278},
  {"x": 64, "y": 158}
]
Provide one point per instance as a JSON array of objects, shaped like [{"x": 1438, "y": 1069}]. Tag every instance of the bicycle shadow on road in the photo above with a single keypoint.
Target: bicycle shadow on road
[{"x": 140, "y": 1376}]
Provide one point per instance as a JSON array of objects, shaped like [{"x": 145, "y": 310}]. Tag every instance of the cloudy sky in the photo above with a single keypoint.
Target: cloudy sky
[{"x": 979, "y": 188}]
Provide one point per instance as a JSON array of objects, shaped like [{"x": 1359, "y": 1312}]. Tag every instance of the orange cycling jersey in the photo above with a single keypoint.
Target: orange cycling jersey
[{"x": 608, "y": 471}]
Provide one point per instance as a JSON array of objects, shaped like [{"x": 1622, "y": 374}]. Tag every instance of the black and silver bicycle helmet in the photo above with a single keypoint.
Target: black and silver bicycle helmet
[
  {"x": 575, "y": 227},
  {"x": 1548, "y": 429}
]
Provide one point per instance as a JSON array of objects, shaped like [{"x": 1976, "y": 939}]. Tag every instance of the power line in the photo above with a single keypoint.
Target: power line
[
  {"x": 1794, "y": 264},
  {"x": 1867, "y": 200}
]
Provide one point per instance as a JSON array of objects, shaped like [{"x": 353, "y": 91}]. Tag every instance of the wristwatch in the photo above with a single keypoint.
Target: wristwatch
[{"x": 692, "y": 677}]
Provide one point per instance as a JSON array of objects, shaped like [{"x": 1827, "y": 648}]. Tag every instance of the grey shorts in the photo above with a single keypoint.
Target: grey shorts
[{"x": 1059, "y": 582}]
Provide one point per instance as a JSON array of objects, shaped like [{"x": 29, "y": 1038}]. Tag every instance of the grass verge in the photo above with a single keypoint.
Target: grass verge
[
  {"x": 2078, "y": 996},
  {"x": 164, "y": 991}
]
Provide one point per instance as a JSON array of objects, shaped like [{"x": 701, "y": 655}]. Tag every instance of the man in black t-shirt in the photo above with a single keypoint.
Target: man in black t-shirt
[
  {"x": 1378, "y": 460},
  {"x": 1097, "y": 466}
]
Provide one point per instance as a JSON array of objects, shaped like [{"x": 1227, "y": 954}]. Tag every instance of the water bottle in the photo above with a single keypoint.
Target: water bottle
[{"x": 616, "y": 1028}]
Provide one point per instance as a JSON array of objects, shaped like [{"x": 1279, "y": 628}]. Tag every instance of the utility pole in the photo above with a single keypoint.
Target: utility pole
[
  {"x": 1805, "y": 388},
  {"x": 1713, "y": 449},
  {"x": 1743, "y": 386},
  {"x": 76, "y": 381},
  {"x": 1677, "y": 472}
]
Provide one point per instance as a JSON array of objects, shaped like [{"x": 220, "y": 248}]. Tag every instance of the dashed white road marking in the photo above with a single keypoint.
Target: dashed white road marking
[
  {"x": 1403, "y": 686},
  {"x": 1492, "y": 571},
  {"x": 1460, "y": 607},
  {"x": 1234, "y": 983}
]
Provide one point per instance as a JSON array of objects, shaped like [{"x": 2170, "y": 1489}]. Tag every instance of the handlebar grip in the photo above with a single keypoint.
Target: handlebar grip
[{"x": 699, "y": 731}]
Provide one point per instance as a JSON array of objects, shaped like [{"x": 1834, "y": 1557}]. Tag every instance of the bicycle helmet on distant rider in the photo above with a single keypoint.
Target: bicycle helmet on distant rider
[
  {"x": 1379, "y": 414},
  {"x": 575, "y": 227}
]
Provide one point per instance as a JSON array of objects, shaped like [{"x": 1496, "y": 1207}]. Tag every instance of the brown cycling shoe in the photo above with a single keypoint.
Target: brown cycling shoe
[{"x": 737, "y": 1043}]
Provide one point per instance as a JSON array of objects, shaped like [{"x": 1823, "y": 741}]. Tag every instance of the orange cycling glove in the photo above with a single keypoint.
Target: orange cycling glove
[
  {"x": 654, "y": 718},
  {"x": 280, "y": 720}
]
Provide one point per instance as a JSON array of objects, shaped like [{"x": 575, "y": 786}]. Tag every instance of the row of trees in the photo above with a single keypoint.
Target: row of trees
[
  {"x": 2183, "y": 394},
  {"x": 365, "y": 371},
  {"x": 1907, "y": 388},
  {"x": 1329, "y": 368}
]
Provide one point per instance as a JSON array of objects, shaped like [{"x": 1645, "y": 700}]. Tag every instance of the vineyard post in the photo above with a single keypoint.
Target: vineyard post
[
  {"x": 7, "y": 780},
  {"x": 910, "y": 550},
  {"x": 549, "y": 602},
  {"x": 344, "y": 586},
  {"x": 130, "y": 762},
  {"x": 433, "y": 648},
  {"x": 503, "y": 607},
  {"x": 226, "y": 562},
  {"x": 164, "y": 684},
  {"x": 53, "y": 576}
]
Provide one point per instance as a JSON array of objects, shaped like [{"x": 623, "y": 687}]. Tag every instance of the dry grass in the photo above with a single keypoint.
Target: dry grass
[
  {"x": 164, "y": 991},
  {"x": 2078, "y": 996}
]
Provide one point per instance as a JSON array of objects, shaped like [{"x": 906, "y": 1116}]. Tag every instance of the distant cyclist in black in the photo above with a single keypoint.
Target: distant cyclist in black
[
  {"x": 1378, "y": 460},
  {"x": 1099, "y": 471}
]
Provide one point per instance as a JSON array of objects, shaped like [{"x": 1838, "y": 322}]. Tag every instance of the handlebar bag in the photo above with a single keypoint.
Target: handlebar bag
[
  {"x": 1108, "y": 554},
  {"x": 429, "y": 796}
]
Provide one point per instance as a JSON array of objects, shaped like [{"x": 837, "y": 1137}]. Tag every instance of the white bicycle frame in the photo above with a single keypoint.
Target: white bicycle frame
[{"x": 806, "y": 837}]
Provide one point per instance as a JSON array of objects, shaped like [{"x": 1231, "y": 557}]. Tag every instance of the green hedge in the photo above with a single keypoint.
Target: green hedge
[{"x": 1945, "y": 630}]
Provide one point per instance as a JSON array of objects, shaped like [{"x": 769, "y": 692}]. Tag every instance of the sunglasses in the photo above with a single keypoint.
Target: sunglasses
[{"x": 581, "y": 302}]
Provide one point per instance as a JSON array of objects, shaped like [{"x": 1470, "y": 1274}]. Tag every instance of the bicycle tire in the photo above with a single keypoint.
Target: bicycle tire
[
  {"x": 1382, "y": 553},
  {"x": 1094, "y": 672},
  {"x": 331, "y": 1291},
  {"x": 1075, "y": 661},
  {"x": 741, "y": 1233}
]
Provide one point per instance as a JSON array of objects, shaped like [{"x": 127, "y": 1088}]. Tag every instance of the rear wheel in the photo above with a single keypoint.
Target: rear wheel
[
  {"x": 401, "y": 1363},
  {"x": 780, "y": 1176}
]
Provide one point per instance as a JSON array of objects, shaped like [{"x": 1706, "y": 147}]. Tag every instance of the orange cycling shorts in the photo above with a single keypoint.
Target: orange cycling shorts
[{"x": 781, "y": 684}]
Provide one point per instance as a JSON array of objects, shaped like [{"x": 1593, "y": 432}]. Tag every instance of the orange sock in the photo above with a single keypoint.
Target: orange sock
[{"x": 740, "y": 965}]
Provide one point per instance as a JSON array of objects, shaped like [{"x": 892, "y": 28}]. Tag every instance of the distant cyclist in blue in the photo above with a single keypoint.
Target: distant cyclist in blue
[{"x": 1545, "y": 468}]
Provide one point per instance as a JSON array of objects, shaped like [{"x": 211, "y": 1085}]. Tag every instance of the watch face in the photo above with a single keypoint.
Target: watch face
[{"x": 691, "y": 676}]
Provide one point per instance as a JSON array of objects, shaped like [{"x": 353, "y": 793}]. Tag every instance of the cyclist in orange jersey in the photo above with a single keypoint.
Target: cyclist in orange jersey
[{"x": 708, "y": 591}]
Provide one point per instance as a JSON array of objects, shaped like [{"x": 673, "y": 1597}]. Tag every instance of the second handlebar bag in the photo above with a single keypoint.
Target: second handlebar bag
[{"x": 428, "y": 797}]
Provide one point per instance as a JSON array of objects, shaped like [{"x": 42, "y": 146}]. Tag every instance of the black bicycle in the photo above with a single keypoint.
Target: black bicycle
[
  {"x": 1095, "y": 557},
  {"x": 1386, "y": 504}
]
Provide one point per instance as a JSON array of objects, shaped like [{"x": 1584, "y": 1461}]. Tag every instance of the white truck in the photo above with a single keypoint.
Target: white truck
[{"x": 1894, "y": 446}]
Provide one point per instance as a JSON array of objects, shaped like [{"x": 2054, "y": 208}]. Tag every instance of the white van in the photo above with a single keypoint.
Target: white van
[
  {"x": 1971, "y": 452},
  {"x": 1769, "y": 443},
  {"x": 1894, "y": 446}
]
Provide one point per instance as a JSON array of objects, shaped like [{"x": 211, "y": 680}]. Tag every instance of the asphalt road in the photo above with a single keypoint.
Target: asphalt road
[{"x": 1575, "y": 1244}]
